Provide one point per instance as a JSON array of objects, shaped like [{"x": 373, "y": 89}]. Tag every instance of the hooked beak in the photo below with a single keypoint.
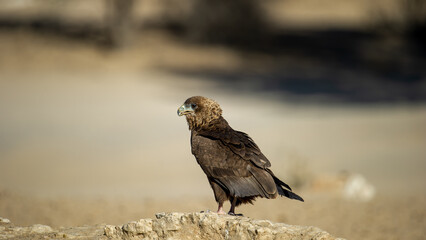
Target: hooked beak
[{"x": 185, "y": 109}]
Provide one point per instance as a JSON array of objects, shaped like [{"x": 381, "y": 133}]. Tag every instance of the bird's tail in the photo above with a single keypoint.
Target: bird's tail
[
  {"x": 281, "y": 187},
  {"x": 289, "y": 194}
]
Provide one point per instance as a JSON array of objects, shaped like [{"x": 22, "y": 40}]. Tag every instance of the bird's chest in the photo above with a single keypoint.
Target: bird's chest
[{"x": 207, "y": 151}]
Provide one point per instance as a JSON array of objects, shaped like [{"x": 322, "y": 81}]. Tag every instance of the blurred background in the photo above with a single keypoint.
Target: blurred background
[{"x": 332, "y": 91}]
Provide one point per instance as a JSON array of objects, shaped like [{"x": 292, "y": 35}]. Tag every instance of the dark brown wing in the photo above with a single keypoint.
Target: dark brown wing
[
  {"x": 239, "y": 143},
  {"x": 230, "y": 165}
]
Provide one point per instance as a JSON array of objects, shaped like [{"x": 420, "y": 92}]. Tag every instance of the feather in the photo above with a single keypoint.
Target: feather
[{"x": 289, "y": 194}]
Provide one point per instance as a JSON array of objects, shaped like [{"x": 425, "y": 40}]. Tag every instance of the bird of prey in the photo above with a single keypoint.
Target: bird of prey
[{"x": 235, "y": 167}]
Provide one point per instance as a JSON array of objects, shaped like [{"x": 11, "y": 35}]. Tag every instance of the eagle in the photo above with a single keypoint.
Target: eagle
[{"x": 235, "y": 167}]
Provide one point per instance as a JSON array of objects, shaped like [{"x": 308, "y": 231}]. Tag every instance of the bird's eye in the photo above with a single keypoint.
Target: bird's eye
[{"x": 193, "y": 105}]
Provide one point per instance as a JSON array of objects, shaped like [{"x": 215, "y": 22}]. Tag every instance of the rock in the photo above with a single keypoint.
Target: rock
[
  {"x": 39, "y": 231},
  {"x": 351, "y": 186},
  {"x": 4, "y": 221},
  {"x": 173, "y": 226},
  {"x": 38, "y": 228},
  {"x": 211, "y": 226},
  {"x": 358, "y": 188},
  {"x": 140, "y": 227},
  {"x": 113, "y": 231}
]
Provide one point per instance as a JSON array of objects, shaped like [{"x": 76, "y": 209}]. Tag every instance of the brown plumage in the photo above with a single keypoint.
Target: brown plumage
[{"x": 235, "y": 167}]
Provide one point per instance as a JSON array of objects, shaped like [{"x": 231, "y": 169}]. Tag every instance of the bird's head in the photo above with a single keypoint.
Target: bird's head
[{"x": 199, "y": 111}]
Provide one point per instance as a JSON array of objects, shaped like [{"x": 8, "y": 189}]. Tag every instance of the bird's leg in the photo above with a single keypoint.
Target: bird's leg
[
  {"x": 220, "y": 209},
  {"x": 232, "y": 210},
  {"x": 233, "y": 203}
]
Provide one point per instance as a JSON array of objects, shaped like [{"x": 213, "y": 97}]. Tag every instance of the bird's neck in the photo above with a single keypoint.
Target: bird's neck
[{"x": 204, "y": 124}]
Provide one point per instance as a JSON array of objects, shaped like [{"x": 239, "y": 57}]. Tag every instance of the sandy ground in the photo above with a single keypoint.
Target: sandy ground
[{"x": 88, "y": 136}]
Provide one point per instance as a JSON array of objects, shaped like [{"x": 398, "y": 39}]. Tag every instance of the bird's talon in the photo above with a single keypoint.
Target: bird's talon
[{"x": 236, "y": 214}]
